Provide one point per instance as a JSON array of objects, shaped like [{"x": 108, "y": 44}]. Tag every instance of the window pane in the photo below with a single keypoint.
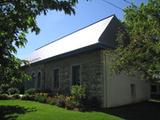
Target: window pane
[
  {"x": 44, "y": 75},
  {"x": 76, "y": 75},
  {"x": 33, "y": 80},
  {"x": 39, "y": 80}
]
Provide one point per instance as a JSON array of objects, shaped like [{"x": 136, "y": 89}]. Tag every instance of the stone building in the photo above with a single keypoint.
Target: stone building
[{"x": 80, "y": 58}]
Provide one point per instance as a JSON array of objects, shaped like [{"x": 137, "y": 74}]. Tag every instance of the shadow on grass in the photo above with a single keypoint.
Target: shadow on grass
[
  {"x": 141, "y": 111},
  {"x": 12, "y": 112}
]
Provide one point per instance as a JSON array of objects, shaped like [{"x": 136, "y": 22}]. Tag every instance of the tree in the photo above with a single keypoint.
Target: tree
[
  {"x": 16, "y": 18},
  {"x": 142, "y": 51}
]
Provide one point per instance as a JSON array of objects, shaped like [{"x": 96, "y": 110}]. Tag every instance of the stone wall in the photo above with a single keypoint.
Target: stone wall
[{"x": 90, "y": 67}]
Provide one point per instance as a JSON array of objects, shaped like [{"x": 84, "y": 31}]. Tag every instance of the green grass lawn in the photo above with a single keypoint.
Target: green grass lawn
[{"x": 27, "y": 110}]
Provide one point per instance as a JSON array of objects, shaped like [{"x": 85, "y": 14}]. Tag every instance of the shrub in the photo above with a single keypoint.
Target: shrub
[
  {"x": 47, "y": 91},
  {"x": 15, "y": 96},
  {"x": 31, "y": 91},
  {"x": 42, "y": 94},
  {"x": 3, "y": 88},
  {"x": 60, "y": 100},
  {"x": 70, "y": 102},
  {"x": 51, "y": 100},
  {"x": 4, "y": 97},
  {"x": 79, "y": 93},
  {"x": 12, "y": 91},
  {"x": 40, "y": 98},
  {"x": 28, "y": 97}
]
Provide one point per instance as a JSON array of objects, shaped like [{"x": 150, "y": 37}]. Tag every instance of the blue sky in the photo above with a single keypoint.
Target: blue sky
[{"x": 56, "y": 24}]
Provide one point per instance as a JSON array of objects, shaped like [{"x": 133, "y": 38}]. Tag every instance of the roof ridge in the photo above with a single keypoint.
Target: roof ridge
[{"x": 75, "y": 31}]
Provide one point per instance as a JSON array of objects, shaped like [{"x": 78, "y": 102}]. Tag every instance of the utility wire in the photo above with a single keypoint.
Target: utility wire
[
  {"x": 131, "y": 3},
  {"x": 112, "y": 4},
  {"x": 128, "y": 2}
]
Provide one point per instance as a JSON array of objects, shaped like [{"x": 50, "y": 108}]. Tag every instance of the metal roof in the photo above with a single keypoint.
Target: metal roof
[{"x": 81, "y": 38}]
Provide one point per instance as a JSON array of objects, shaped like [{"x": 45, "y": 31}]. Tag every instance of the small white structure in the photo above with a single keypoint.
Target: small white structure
[{"x": 80, "y": 58}]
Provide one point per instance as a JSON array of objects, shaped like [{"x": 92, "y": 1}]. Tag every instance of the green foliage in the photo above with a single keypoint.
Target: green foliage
[
  {"x": 142, "y": 51},
  {"x": 15, "y": 96},
  {"x": 28, "y": 97},
  {"x": 79, "y": 93},
  {"x": 31, "y": 91},
  {"x": 12, "y": 91},
  {"x": 17, "y": 18},
  {"x": 4, "y": 97},
  {"x": 67, "y": 102},
  {"x": 11, "y": 74},
  {"x": 60, "y": 100},
  {"x": 3, "y": 88},
  {"x": 9, "y": 97},
  {"x": 40, "y": 98},
  {"x": 51, "y": 100},
  {"x": 70, "y": 102}
]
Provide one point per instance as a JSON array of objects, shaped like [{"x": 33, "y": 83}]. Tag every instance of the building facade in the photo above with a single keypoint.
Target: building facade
[{"x": 80, "y": 58}]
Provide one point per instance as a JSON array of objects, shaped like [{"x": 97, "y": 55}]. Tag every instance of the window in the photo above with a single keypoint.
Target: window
[
  {"x": 39, "y": 80},
  {"x": 33, "y": 76},
  {"x": 56, "y": 78},
  {"x": 33, "y": 79},
  {"x": 44, "y": 81},
  {"x": 76, "y": 75},
  {"x": 133, "y": 90},
  {"x": 154, "y": 88}
]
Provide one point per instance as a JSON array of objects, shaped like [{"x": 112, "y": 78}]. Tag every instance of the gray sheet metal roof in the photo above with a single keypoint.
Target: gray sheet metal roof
[{"x": 82, "y": 38}]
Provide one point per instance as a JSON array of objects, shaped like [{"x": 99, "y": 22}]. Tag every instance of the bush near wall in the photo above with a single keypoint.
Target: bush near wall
[
  {"x": 32, "y": 91},
  {"x": 77, "y": 100},
  {"x": 70, "y": 102},
  {"x": 28, "y": 97},
  {"x": 15, "y": 96},
  {"x": 51, "y": 100},
  {"x": 12, "y": 91},
  {"x": 4, "y": 97},
  {"x": 60, "y": 101},
  {"x": 4, "y": 88},
  {"x": 78, "y": 93},
  {"x": 40, "y": 98}
]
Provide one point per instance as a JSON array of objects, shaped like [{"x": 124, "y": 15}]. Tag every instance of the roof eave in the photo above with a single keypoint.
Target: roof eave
[{"x": 96, "y": 46}]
